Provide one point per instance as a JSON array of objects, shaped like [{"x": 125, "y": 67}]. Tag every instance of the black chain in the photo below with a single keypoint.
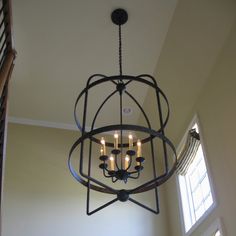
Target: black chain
[{"x": 120, "y": 52}]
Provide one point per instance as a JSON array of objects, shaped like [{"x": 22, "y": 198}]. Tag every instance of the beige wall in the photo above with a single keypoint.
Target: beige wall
[
  {"x": 42, "y": 199},
  {"x": 217, "y": 114},
  {"x": 40, "y": 196}
]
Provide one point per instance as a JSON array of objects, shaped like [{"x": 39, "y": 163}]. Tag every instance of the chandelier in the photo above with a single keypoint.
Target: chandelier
[{"x": 119, "y": 149}]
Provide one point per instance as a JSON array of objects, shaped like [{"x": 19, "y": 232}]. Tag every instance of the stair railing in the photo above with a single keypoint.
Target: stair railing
[{"x": 7, "y": 57}]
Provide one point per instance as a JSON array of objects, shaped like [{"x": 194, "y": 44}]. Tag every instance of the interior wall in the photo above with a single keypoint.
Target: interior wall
[
  {"x": 42, "y": 198},
  {"x": 215, "y": 108}
]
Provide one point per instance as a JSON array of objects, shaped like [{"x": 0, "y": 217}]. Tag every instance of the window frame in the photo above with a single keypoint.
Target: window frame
[
  {"x": 216, "y": 225},
  {"x": 214, "y": 204}
]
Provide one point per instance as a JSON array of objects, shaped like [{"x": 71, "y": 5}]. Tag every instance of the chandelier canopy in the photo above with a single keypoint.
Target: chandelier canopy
[{"x": 121, "y": 148}]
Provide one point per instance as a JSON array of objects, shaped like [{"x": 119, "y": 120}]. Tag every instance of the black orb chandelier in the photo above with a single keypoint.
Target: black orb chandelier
[{"x": 119, "y": 151}]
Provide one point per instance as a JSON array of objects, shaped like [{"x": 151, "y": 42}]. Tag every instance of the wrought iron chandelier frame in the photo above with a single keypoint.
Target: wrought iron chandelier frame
[{"x": 121, "y": 82}]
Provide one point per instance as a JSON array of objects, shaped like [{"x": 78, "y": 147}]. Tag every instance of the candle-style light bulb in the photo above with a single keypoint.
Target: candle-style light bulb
[
  {"x": 116, "y": 140},
  {"x": 112, "y": 163},
  {"x": 101, "y": 151},
  {"x": 126, "y": 162},
  {"x": 139, "y": 148},
  {"x": 103, "y": 142},
  {"x": 130, "y": 141}
]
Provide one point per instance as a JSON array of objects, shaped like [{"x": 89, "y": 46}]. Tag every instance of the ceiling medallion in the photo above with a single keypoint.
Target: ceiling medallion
[{"x": 113, "y": 155}]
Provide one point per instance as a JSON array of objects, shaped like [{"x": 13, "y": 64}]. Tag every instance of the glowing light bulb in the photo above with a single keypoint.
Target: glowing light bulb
[
  {"x": 112, "y": 163},
  {"x": 116, "y": 140},
  {"x": 130, "y": 141},
  {"x": 139, "y": 148},
  {"x": 127, "y": 159},
  {"x": 103, "y": 142},
  {"x": 101, "y": 151}
]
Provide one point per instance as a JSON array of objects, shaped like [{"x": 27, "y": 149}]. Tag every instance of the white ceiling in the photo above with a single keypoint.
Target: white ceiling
[{"x": 61, "y": 43}]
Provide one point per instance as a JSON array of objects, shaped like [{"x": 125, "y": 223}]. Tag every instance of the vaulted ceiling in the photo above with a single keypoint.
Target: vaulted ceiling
[{"x": 61, "y": 43}]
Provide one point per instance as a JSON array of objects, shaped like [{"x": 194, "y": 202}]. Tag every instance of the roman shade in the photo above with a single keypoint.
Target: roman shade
[{"x": 186, "y": 156}]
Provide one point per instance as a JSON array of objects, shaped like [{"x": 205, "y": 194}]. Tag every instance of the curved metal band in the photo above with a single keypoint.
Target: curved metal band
[
  {"x": 99, "y": 109},
  {"x": 80, "y": 179},
  {"x": 114, "y": 78},
  {"x": 145, "y": 187},
  {"x": 163, "y": 95},
  {"x": 78, "y": 98},
  {"x": 141, "y": 109}
]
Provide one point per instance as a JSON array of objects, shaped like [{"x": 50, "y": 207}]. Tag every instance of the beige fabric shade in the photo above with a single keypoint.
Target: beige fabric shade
[{"x": 186, "y": 156}]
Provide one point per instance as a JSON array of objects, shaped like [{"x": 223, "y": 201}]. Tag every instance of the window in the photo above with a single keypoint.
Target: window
[
  {"x": 215, "y": 229},
  {"x": 195, "y": 189},
  {"x": 217, "y": 233}
]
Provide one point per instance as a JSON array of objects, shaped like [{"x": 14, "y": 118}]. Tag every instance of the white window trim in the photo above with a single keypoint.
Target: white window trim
[
  {"x": 213, "y": 206},
  {"x": 216, "y": 225}
]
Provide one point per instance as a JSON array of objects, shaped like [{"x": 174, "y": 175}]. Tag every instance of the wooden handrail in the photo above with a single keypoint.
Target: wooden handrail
[
  {"x": 4, "y": 72},
  {"x": 8, "y": 55}
]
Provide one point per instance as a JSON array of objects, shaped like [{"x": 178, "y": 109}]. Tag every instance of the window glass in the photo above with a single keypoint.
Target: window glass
[
  {"x": 217, "y": 233},
  {"x": 196, "y": 194}
]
